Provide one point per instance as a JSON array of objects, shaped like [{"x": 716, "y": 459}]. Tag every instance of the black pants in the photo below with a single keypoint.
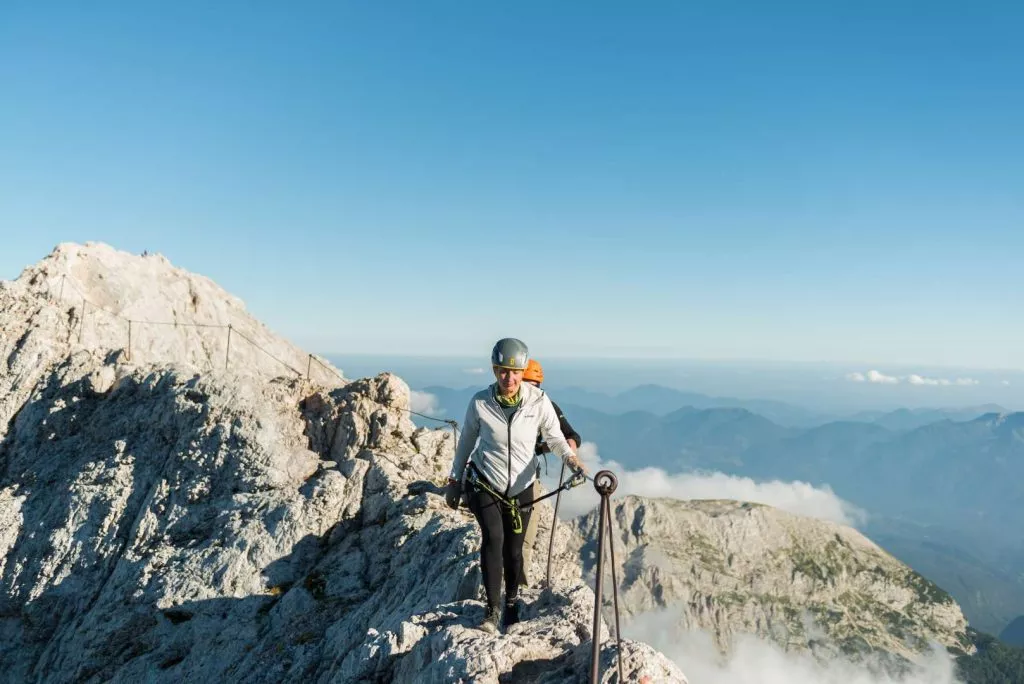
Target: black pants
[{"x": 502, "y": 549}]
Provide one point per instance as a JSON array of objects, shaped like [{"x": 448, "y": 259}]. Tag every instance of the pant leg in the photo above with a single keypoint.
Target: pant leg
[
  {"x": 488, "y": 513},
  {"x": 512, "y": 550},
  {"x": 531, "y": 537}
]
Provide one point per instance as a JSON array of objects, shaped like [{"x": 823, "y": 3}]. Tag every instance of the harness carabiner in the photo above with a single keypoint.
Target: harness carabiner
[{"x": 511, "y": 504}]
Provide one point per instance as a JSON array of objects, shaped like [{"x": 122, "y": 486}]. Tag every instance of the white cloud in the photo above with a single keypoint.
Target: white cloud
[
  {"x": 918, "y": 380},
  {"x": 758, "y": 661},
  {"x": 424, "y": 402},
  {"x": 474, "y": 371},
  {"x": 872, "y": 376},
  {"x": 796, "y": 497},
  {"x": 1006, "y": 383},
  {"x": 879, "y": 378},
  {"x": 944, "y": 382}
]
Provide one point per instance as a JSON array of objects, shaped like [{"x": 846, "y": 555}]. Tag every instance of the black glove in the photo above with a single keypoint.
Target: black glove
[{"x": 452, "y": 494}]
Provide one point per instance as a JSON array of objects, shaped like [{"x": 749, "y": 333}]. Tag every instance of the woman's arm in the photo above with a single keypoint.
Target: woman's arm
[{"x": 551, "y": 431}]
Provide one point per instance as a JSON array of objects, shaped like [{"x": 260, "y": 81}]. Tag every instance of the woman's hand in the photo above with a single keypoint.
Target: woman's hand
[
  {"x": 453, "y": 493},
  {"x": 576, "y": 464}
]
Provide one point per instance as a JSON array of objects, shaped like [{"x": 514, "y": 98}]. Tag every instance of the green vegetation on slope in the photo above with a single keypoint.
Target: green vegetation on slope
[{"x": 994, "y": 663}]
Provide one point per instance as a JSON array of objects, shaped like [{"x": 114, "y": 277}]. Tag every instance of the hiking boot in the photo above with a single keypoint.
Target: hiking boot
[
  {"x": 511, "y": 615},
  {"x": 490, "y": 621}
]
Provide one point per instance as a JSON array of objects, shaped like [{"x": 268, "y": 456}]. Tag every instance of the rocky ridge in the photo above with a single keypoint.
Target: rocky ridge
[
  {"x": 80, "y": 298},
  {"x": 166, "y": 519}
]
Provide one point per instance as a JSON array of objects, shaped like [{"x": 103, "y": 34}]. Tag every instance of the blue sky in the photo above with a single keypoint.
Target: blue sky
[{"x": 716, "y": 180}]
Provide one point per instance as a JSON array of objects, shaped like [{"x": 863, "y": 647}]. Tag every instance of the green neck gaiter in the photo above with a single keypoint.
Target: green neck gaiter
[{"x": 508, "y": 401}]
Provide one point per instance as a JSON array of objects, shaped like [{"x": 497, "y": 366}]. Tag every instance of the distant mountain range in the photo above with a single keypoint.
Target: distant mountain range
[
  {"x": 1014, "y": 632},
  {"x": 944, "y": 487},
  {"x": 908, "y": 419},
  {"x": 659, "y": 401}
]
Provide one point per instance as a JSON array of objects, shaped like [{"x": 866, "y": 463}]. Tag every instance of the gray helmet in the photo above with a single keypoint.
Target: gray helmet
[{"x": 511, "y": 353}]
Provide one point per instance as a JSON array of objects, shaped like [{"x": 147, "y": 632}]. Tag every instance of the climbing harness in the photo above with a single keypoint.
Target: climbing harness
[
  {"x": 476, "y": 480},
  {"x": 578, "y": 478}
]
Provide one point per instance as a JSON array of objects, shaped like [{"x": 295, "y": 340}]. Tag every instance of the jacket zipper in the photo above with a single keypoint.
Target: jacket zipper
[
  {"x": 508, "y": 481},
  {"x": 508, "y": 442}
]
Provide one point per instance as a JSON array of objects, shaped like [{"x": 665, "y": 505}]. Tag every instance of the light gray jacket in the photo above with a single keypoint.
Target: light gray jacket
[{"x": 505, "y": 453}]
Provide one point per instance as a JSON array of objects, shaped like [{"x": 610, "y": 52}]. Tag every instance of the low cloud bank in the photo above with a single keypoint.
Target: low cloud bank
[
  {"x": 878, "y": 378},
  {"x": 758, "y": 661},
  {"x": 795, "y": 497}
]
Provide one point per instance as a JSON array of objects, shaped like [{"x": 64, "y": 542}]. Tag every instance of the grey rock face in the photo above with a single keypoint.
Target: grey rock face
[{"x": 161, "y": 522}]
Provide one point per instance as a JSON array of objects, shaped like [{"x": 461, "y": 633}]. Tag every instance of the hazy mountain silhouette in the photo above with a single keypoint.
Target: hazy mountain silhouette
[
  {"x": 909, "y": 419},
  {"x": 661, "y": 400},
  {"x": 1014, "y": 632}
]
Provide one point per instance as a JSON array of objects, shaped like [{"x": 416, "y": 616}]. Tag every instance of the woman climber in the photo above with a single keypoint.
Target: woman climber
[{"x": 495, "y": 468}]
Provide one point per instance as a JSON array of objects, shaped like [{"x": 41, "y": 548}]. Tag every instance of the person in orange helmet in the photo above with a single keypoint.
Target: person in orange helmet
[{"x": 534, "y": 374}]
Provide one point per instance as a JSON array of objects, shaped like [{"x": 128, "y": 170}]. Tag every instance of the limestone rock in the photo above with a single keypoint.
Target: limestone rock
[
  {"x": 80, "y": 298},
  {"x": 178, "y": 528},
  {"x": 739, "y": 568}
]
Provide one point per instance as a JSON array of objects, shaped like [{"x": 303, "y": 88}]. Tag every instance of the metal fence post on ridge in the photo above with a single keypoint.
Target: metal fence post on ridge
[
  {"x": 81, "y": 323},
  {"x": 227, "y": 354},
  {"x": 605, "y": 483},
  {"x": 554, "y": 524}
]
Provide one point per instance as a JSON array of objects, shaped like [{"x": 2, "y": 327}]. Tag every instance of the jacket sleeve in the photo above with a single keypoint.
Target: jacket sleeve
[
  {"x": 467, "y": 440},
  {"x": 551, "y": 431},
  {"x": 563, "y": 423}
]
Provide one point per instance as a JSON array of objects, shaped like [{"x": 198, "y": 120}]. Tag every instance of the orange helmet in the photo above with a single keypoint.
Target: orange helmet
[{"x": 533, "y": 372}]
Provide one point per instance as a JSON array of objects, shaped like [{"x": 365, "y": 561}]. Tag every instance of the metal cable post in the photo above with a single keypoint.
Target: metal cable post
[
  {"x": 81, "y": 325},
  {"x": 554, "y": 523},
  {"x": 227, "y": 352},
  {"x": 605, "y": 483},
  {"x": 615, "y": 586}
]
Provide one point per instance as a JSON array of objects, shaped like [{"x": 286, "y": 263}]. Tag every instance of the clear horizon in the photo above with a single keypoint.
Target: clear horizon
[{"x": 794, "y": 183}]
